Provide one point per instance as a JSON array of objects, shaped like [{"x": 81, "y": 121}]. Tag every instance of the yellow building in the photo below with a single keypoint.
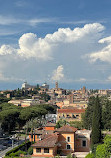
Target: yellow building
[
  {"x": 70, "y": 114},
  {"x": 63, "y": 141}
]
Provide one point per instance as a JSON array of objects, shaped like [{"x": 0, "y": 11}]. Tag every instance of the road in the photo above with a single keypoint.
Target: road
[{"x": 2, "y": 153}]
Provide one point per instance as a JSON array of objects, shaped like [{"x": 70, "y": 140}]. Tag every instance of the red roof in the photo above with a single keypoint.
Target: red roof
[
  {"x": 71, "y": 110},
  {"x": 67, "y": 128},
  {"x": 49, "y": 141}
]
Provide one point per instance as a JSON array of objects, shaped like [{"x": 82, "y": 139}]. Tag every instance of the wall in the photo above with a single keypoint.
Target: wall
[
  {"x": 63, "y": 142},
  {"x": 49, "y": 128},
  {"x": 64, "y": 116},
  {"x": 79, "y": 148},
  {"x": 51, "y": 153},
  {"x": 32, "y": 139}
]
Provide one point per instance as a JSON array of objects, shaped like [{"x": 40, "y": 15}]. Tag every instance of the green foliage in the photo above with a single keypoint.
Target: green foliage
[
  {"x": 104, "y": 150},
  {"x": 61, "y": 123},
  {"x": 94, "y": 147},
  {"x": 107, "y": 142},
  {"x": 106, "y": 111},
  {"x": 96, "y": 122},
  {"x": 45, "y": 97},
  {"x": 30, "y": 151},
  {"x": 106, "y": 115},
  {"x": 18, "y": 153},
  {"x": 90, "y": 155},
  {"x": 76, "y": 124},
  {"x": 20, "y": 147},
  {"x": 101, "y": 152},
  {"x": 9, "y": 118},
  {"x": 15, "y": 157},
  {"x": 12, "y": 116},
  {"x": 57, "y": 156},
  {"x": 87, "y": 118}
]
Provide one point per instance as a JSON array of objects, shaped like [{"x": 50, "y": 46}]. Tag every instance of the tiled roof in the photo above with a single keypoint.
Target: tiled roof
[
  {"x": 71, "y": 110},
  {"x": 49, "y": 141},
  {"x": 67, "y": 128}
]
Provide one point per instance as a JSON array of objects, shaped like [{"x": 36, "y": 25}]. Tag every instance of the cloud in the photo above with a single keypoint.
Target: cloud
[
  {"x": 31, "y": 46},
  {"x": 43, "y": 48},
  {"x": 10, "y": 20},
  {"x": 9, "y": 79},
  {"x": 108, "y": 79},
  {"x": 58, "y": 74},
  {"x": 7, "y": 49},
  {"x": 105, "y": 53},
  {"x": 82, "y": 80}
]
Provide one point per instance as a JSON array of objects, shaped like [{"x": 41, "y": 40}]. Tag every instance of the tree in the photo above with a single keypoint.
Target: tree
[
  {"x": 104, "y": 150},
  {"x": 106, "y": 115},
  {"x": 87, "y": 117},
  {"x": 61, "y": 123},
  {"x": 96, "y": 122},
  {"x": 76, "y": 124},
  {"x": 9, "y": 119},
  {"x": 90, "y": 155}
]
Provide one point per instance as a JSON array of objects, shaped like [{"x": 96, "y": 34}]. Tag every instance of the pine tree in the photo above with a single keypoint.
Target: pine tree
[{"x": 96, "y": 123}]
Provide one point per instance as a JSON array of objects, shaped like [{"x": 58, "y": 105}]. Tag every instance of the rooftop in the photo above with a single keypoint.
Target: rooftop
[
  {"x": 49, "y": 141},
  {"x": 71, "y": 110},
  {"x": 67, "y": 128}
]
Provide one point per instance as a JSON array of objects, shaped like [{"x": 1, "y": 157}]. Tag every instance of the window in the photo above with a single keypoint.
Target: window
[
  {"x": 38, "y": 150},
  {"x": 68, "y": 139},
  {"x": 68, "y": 146},
  {"x": 77, "y": 116},
  {"x": 84, "y": 143},
  {"x": 46, "y": 150},
  {"x": 38, "y": 135},
  {"x": 73, "y": 116}
]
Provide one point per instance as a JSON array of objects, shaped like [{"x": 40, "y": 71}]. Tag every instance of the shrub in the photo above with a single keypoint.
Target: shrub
[
  {"x": 90, "y": 155},
  {"x": 30, "y": 151},
  {"x": 20, "y": 147},
  {"x": 18, "y": 153}
]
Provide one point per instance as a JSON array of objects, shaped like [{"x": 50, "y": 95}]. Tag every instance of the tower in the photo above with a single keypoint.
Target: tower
[{"x": 56, "y": 85}]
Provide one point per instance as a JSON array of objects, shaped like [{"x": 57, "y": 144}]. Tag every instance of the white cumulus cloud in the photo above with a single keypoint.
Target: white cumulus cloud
[
  {"x": 105, "y": 53},
  {"x": 7, "y": 49},
  {"x": 58, "y": 74},
  {"x": 30, "y": 46}
]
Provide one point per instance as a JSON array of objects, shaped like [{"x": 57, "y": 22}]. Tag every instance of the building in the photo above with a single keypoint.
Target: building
[
  {"x": 26, "y": 102},
  {"x": 25, "y": 85},
  {"x": 51, "y": 117},
  {"x": 56, "y": 85},
  {"x": 78, "y": 104},
  {"x": 63, "y": 141},
  {"x": 45, "y": 86},
  {"x": 70, "y": 114},
  {"x": 41, "y": 132}
]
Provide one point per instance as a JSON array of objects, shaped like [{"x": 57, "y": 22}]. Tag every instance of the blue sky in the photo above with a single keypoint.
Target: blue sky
[{"x": 49, "y": 40}]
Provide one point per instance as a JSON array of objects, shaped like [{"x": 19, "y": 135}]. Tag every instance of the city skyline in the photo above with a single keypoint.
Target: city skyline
[{"x": 68, "y": 41}]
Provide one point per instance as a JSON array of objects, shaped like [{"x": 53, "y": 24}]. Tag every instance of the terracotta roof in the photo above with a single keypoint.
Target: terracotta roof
[
  {"x": 49, "y": 141},
  {"x": 67, "y": 128},
  {"x": 71, "y": 110}
]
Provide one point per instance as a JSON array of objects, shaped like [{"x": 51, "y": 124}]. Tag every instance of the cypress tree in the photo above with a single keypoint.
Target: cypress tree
[{"x": 96, "y": 122}]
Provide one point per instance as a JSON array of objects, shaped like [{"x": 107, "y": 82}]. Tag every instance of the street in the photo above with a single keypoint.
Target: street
[{"x": 2, "y": 153}]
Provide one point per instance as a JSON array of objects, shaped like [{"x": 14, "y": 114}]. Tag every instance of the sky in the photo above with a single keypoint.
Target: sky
[{"x": 68, "y": 41}]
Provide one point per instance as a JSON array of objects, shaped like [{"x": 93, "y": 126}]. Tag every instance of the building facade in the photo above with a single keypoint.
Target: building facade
[{"x": 63, "y": 141}]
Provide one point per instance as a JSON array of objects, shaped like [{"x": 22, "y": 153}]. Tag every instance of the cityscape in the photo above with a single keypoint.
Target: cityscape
[
  {"x": 55, "y": 79},
  {"x": 45, "y": 120}
]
